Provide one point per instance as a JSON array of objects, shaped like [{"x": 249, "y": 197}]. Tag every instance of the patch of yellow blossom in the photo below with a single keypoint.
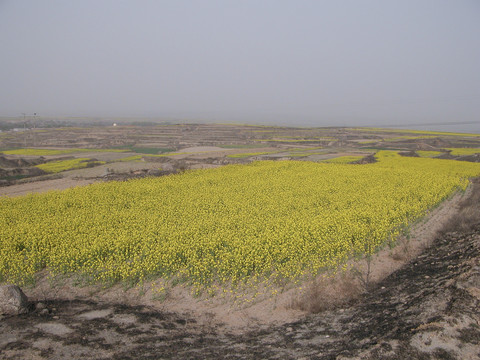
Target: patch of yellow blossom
[{"x": 239, "y": 224}]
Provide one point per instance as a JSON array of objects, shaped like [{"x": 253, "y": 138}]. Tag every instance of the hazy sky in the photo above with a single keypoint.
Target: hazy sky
[{"x": 298, "y": 62}]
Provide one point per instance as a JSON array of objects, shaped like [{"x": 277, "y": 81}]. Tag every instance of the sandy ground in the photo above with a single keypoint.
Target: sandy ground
[
  {"x": 213, "y": 152},
  {"x": 73, "y": 178},
  {"x": 42, "y": 186}
]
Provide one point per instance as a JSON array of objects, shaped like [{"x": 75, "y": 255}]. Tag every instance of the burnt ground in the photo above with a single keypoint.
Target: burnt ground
[{"x": 429, "y": 309}]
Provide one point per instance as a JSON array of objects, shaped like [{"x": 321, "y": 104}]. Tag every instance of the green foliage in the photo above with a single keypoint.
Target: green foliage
[{"x": 130, "y": 158}]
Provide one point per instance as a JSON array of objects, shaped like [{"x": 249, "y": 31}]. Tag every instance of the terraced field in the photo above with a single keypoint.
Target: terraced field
[{"x": 244, "y": 217}]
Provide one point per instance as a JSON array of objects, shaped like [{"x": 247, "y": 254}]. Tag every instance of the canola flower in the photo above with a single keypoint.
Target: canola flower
[
  {"x": 130, "y": 158},
  {"x": 238, "y": 224},
  {"x": 71, "y": 164},
  {"x": 464, "y": 151}
]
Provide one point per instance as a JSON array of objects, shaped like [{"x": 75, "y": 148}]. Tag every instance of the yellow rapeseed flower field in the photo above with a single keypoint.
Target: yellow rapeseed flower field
[
  {"x": 276, "y": 220},
  {"x": 70, "y": 164},
  {"x": 464, "y": 151}
]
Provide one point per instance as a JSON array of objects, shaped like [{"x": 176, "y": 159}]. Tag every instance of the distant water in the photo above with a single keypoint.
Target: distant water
[
  {"x": 463, "y": 128},
  {"x": 469, "y": 127}
]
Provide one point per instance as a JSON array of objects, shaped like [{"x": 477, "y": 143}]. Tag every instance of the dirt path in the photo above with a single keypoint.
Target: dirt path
[
  {"x": 74, "y": 178},
  {"x": 42, "y": 186}
]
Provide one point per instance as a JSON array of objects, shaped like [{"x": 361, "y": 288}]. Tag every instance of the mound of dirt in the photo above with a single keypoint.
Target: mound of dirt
[
  {"x": 14, "y": 168},
  {"x": 9, "y": 176},
  {"x": 446, "y": 156},
  {"x": 425, "y": 146},
  {"x": 369, "y": 159},
  {"x": 441, "y": 143},
  {"x": 15, "y": 162},
  {"x": 471, "y": 158},
  {"x": 408, "y": 153}
]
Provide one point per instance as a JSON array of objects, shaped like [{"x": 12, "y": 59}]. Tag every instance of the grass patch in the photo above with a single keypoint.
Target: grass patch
[
  {"x": 14, "y": 177},
  {"x": 130, "y": 158}
]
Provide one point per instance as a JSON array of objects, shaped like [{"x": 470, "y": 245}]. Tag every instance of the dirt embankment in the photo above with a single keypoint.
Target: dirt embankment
[{"x": 12, "y": 168}]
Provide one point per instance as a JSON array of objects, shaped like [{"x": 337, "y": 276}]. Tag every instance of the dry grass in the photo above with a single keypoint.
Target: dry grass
[
  {"x": 326, "y": 293},
  {"x": 468, "y": 216},
  {"x": 402, "y": 251}
]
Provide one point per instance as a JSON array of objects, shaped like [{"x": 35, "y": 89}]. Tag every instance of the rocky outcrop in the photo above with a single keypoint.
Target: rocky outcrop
[{"x": 12, "y": 300}]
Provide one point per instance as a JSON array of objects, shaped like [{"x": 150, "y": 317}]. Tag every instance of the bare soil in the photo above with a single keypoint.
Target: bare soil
[{"x": 42, "y": 186}]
